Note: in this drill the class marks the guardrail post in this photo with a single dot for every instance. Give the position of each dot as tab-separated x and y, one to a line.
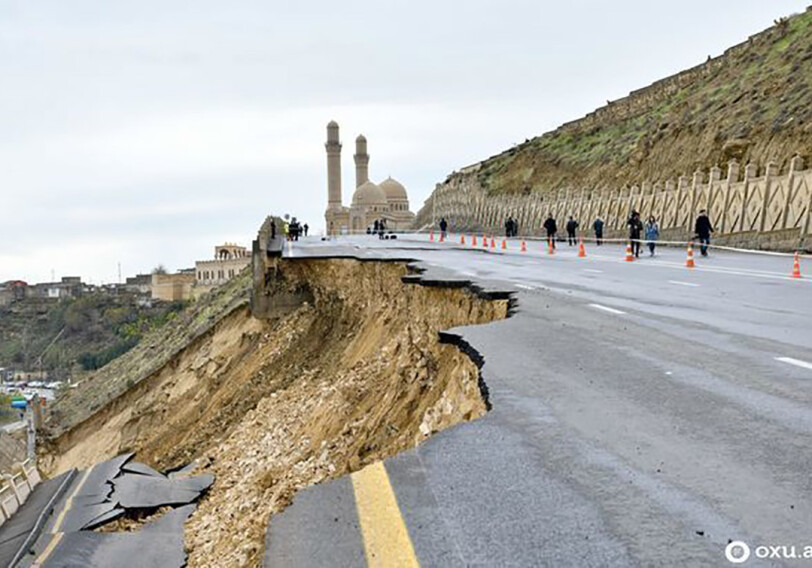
10	482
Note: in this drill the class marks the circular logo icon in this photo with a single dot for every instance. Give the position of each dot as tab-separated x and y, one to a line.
737	552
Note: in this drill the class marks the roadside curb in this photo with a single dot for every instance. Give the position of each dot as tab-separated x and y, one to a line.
42	518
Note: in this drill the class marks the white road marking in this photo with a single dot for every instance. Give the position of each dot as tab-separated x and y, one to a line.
525	286
606	309
464	273
593	270
683	283
796	362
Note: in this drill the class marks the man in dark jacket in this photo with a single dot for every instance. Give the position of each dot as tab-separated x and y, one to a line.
572	226
635	232
598	227
551	228
443	227
703	230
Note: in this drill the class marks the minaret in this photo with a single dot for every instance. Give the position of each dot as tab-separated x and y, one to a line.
333	147
361	161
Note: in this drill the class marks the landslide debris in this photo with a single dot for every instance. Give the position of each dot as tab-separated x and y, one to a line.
271	406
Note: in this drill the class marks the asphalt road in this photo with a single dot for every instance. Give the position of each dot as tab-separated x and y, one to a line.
643	414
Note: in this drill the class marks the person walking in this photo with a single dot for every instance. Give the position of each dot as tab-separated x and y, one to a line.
508	226
286	230
443	227
635	230
552	229
514	227
572	226
381	228
597	226
652	234
305	229
703	230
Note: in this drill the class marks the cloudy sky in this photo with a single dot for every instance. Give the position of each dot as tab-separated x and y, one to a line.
146	132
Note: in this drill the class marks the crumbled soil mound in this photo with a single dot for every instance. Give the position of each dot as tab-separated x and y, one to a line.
269	407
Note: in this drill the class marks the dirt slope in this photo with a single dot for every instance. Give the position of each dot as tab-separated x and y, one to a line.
272	406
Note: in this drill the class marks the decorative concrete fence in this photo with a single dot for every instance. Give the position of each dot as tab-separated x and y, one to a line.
754	208
15	489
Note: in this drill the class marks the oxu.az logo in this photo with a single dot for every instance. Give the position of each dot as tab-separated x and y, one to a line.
738	551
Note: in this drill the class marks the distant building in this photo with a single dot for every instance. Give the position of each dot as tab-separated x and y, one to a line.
12	291
28	376
172	287
68	287
139	284
387	200
229	260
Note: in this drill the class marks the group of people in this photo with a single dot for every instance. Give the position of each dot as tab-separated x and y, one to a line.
292	229
511	227
638	231
378	228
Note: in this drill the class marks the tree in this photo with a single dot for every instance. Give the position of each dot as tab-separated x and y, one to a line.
160	269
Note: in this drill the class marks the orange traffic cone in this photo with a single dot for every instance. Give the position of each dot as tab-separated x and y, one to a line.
473	240
689	262
442	237
504	244
484	241
524	247
493	243
629	254
796	267
550	246
581	249
431	235
462	239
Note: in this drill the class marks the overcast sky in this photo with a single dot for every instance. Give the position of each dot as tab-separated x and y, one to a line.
146	132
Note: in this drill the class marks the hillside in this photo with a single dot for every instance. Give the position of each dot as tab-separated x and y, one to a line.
753	103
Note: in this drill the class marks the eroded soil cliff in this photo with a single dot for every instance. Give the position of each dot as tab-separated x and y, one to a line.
355	375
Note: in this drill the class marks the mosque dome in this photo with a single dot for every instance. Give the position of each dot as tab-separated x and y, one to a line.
393	190
368	194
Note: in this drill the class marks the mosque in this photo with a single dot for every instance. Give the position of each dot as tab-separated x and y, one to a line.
387	200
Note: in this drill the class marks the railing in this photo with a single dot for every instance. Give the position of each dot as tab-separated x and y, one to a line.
16	488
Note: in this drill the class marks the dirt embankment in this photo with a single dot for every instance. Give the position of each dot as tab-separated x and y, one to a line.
272	406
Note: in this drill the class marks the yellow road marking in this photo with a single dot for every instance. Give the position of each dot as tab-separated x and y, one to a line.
48	550
386	539
69	501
